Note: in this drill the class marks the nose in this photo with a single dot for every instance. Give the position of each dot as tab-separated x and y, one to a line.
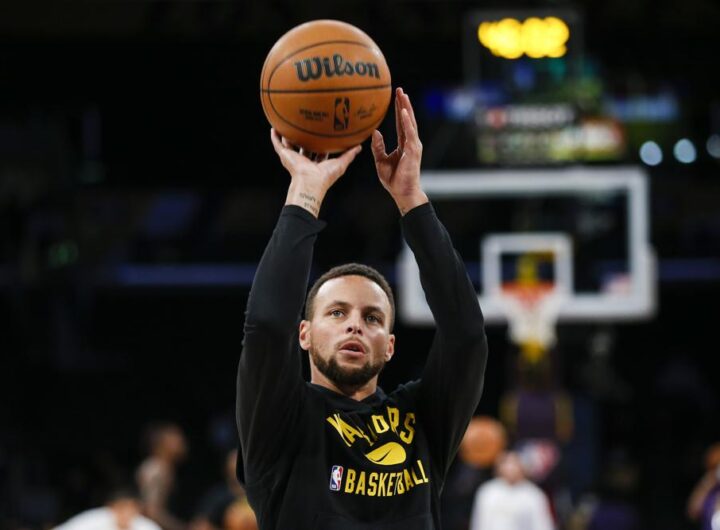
354	324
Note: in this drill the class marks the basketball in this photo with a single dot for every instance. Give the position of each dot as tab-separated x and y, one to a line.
325	86
484	440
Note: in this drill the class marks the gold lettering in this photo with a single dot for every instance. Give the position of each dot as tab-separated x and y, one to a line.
422	471
382	492
360	490
415	479
350	481
391	485
380	424
409	484
347	432
372	484
399	483
394	417
408	436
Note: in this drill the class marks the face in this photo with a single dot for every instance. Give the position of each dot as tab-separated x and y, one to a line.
125	510
174	442
349	337
509	467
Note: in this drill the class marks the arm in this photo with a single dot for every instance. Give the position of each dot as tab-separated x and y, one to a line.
269	378
700	492
155	486
452	379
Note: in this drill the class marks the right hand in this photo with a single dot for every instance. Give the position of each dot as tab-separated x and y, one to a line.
310	179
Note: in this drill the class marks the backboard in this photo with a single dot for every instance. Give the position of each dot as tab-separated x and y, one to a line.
586	230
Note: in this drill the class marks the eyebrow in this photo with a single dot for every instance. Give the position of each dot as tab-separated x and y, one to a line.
371	308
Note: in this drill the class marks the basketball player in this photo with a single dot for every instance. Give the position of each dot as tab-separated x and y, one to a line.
338	452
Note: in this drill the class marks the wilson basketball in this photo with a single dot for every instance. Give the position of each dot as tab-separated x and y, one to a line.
325	86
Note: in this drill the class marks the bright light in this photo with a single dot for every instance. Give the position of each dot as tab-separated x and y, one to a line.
535	37
685	151
650	153
713	146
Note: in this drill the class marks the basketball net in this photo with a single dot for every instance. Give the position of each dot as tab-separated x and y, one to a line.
532	310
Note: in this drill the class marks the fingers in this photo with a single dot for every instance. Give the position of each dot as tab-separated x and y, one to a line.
405	104
276	140
398	119
377	144
413	140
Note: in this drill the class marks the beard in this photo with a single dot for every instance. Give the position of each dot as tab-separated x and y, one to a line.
346	378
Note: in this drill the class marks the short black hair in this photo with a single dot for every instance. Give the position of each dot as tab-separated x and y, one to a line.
350	269
154	433
121	492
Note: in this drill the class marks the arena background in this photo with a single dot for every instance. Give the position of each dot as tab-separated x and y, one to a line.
138	187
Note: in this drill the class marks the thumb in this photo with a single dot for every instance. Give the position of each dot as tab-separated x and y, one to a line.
341	163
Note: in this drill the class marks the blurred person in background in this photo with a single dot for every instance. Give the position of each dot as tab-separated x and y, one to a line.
218	501
612	506
510	501
704	502
484	440
156	475
120	512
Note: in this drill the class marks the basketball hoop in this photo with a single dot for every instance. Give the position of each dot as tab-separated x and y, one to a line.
532	311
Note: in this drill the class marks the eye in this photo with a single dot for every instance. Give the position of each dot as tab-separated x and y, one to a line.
336	313
373	319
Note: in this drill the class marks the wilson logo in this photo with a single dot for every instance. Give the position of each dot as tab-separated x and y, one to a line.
316	67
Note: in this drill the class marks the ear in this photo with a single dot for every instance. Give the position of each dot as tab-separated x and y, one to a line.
390	348
305	336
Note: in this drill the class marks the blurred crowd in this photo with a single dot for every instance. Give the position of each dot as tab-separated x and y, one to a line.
509	475
528	467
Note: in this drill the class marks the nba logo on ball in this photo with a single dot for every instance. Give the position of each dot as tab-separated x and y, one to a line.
336	478
342	113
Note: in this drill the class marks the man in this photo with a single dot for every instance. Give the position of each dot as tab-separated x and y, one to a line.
121	512
510	501
339	453
156	475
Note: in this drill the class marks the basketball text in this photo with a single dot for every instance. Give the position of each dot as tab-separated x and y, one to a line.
315	67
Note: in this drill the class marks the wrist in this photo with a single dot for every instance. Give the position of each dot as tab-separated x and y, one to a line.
307	197
406	203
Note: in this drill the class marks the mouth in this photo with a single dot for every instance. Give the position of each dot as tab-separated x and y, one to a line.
352	349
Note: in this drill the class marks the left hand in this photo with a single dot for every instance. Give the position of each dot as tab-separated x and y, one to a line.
399	171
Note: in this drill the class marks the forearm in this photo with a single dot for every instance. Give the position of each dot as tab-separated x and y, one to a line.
278	291
448	290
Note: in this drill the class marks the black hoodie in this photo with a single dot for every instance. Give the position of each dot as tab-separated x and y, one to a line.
316	459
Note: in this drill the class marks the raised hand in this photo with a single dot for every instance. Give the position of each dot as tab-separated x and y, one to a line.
399	171
311	178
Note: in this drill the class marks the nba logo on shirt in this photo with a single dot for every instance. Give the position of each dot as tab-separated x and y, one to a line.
336	478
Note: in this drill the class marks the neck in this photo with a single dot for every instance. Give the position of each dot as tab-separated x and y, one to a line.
356	392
